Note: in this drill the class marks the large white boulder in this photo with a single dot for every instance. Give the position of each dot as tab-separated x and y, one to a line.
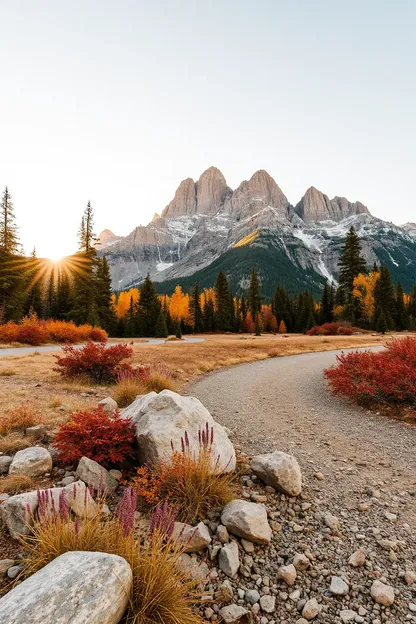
279	470
247	520
17	512
78	587
33	462
161	421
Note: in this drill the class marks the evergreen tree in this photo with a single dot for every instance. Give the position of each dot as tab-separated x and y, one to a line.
33	291
147	309
161	329
254	296
9	240
351	263
51	301
103	303
209	316
224	311
195	309
384	298
325	315
401	316
130	328
381	324
63	296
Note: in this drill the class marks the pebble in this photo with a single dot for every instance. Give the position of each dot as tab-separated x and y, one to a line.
287	574
311	609
267	603
338	586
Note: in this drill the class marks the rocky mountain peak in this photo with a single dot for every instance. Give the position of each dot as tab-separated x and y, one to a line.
156	216
316	206
184	202
261	191
212	191
107	236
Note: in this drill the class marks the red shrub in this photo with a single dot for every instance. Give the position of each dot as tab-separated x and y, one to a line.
32	331
106	438
102	364
330	329
387	376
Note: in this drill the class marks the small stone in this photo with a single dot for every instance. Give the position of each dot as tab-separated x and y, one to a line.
95	475
193	539
279	470
36	432
108	405
287	574
331	522
311	609
390	516
319	476
247	520
5	461
233	614
410	577
268	603
252	596
412	607
301	562
34	461
357	558
347	615
224	592
382	594
228	559
196	570
338	586
248	547
117	474
67	481
222	534
13	571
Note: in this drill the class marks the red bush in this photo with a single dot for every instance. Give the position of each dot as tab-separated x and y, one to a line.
387	376
106	438
102	364
330	329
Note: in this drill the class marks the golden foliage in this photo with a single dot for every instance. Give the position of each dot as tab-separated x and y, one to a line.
363	289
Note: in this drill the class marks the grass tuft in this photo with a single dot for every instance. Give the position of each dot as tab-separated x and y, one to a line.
127	389
19	419
14	484
13	442
7	372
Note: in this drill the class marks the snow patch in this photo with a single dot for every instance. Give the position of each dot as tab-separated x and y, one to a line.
162	266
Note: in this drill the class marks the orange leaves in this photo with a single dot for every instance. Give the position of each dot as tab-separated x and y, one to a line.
363	289
35	331
122	305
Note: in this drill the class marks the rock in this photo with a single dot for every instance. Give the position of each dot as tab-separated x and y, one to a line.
95	475
224	592
162	420
5	462
390	516
17	512
310	609
338	586
268	603
36	432
287	574
357	558
67	481
184	202
80	500
248	547
301	562
194	569
316	206
319	475
33	462
228	559
247	520
222	534
5	564
233	614
108	405
279	470
79	587
382	594
331	522
410	577
117	474
14	571
194	539
212	190
252	596
347	615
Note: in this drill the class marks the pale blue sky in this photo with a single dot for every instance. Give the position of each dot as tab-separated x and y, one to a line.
117	101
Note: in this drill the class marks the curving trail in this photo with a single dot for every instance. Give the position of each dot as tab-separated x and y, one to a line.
285	404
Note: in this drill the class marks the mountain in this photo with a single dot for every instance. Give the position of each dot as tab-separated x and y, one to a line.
410	228
208	227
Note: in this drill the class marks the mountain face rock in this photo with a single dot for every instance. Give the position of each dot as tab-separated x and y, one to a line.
316	206
208	228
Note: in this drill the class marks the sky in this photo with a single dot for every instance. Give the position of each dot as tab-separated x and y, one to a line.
117	101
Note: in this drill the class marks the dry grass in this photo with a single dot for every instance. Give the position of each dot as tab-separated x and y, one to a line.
158	381
12	443
160	594
7	372
13	484
19	419
126	390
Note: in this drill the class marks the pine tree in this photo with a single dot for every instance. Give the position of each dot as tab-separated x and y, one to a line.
161	330
33	291
351	263
209	316
254	296
147	309
401	316
384	298
195	311
9	240
325	315
224	311
63	296
103	303
381	324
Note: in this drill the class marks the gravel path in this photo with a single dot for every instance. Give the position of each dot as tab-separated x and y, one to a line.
285	404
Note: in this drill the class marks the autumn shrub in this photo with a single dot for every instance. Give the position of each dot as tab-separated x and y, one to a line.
100	363
191	483
106	438
19	419
15	483
331	329
34	331
161	593
384	377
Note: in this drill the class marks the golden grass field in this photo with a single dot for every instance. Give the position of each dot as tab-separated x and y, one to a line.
30	379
